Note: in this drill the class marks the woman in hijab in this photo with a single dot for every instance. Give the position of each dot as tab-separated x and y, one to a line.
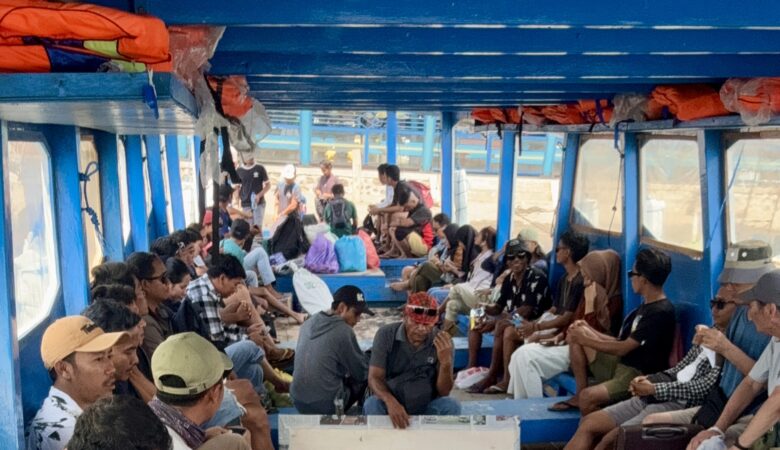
533	363
429	273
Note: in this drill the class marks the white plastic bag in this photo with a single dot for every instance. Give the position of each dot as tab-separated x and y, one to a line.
312	292
628	107
312	231
469	377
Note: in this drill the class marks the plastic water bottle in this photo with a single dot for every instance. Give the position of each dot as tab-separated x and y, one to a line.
339	404
517	319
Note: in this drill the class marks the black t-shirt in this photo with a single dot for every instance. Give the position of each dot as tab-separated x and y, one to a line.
569	294
420	216
653	326
403	186
533	291
252	180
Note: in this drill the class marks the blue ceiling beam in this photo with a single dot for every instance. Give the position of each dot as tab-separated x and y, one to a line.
658	68
404	40
424	85
455	12
436	97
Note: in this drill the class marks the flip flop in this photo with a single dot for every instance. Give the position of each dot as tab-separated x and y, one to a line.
283	359
563	406
475	389
495	389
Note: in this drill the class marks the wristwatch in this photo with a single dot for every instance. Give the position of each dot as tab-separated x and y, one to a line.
740	446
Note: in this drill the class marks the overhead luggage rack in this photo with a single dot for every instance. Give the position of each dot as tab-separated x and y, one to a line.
112	102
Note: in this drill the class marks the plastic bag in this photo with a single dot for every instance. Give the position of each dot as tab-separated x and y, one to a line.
331	237
372	257
351	254
628	107
690	101
191	48
469	377
313	294
250	128
312	231
321	257
756	99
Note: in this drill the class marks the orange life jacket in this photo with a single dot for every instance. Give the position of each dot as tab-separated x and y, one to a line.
689	101
231	95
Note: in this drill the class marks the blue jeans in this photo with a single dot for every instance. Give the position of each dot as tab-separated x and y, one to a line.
246	357
442	406
439	293
257	261
228	413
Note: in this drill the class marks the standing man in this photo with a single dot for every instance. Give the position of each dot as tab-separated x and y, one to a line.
76	352
329	366
254	185
411	366
324	189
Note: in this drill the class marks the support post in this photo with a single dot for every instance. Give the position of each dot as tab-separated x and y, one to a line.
506	188
630	218
198	146
136	193
11	426
565	198
174	180
711	167
110	197
429	138
488	152
392	138
549	154
447	157
63	142
157	186
305	130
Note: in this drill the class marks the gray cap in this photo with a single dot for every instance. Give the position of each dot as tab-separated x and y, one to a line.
766	290
746	262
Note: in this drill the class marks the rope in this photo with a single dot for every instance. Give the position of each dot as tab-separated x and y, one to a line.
725	200
84	178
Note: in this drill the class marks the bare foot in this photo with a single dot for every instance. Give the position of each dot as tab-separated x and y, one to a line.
299	317
399	286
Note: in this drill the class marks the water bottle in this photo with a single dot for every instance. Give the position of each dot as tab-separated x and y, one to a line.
338	402
517	319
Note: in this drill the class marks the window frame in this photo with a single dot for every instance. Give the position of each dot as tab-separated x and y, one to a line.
20	134
588	229
641	139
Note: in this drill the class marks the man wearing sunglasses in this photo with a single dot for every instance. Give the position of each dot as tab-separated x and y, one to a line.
411	366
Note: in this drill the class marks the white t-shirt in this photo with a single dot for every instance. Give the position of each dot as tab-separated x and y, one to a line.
480	278
53	425
767	368
178	442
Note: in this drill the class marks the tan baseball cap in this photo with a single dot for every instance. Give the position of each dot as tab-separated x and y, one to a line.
75	334
193	359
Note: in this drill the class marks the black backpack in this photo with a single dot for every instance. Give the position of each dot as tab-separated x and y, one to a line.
338	218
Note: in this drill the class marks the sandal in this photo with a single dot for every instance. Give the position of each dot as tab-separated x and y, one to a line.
282	358
495	389
476	388
563	406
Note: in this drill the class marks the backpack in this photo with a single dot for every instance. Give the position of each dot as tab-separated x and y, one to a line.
338	217
424	191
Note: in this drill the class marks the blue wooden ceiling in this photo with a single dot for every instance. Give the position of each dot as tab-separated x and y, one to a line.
453	54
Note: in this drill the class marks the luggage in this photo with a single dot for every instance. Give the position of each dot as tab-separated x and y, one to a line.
689	102
656	436
321	257
312	231
424	191
313	294
372	258
351	253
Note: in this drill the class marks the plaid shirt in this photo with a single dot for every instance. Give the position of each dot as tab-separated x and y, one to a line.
202	293
692	392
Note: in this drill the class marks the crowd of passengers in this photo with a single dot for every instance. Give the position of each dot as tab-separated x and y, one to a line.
177	347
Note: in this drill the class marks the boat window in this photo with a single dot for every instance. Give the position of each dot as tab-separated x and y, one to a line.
189	181
283	144
36	276
598	187
166	183
124	200
670	191
753	208
88	159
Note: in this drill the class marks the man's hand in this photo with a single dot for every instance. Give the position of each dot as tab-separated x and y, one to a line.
526	329
235	313
641	387
699	438
444	347
214	432
713	339
484	326
397	414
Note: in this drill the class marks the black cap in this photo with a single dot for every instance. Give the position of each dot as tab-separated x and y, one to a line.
516	247
353	297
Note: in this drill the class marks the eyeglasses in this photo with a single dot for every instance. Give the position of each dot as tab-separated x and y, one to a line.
720	303
420	310
162	277
632	274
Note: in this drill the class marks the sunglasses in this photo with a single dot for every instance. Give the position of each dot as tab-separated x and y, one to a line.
632	274
163	278
420	310
720	303
516	256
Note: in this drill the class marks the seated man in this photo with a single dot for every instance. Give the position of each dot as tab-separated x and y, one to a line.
75	351
329	366
189	374
118	423
764	377
411	236
642	347
684	385
246	346
340	213
524	293
411	366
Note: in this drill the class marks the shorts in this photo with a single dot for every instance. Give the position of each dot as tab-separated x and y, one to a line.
632	411
614	376
416	244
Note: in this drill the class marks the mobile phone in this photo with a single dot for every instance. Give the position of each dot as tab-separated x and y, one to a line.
237	430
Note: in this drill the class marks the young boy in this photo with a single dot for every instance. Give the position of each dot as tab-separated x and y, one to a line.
340	213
